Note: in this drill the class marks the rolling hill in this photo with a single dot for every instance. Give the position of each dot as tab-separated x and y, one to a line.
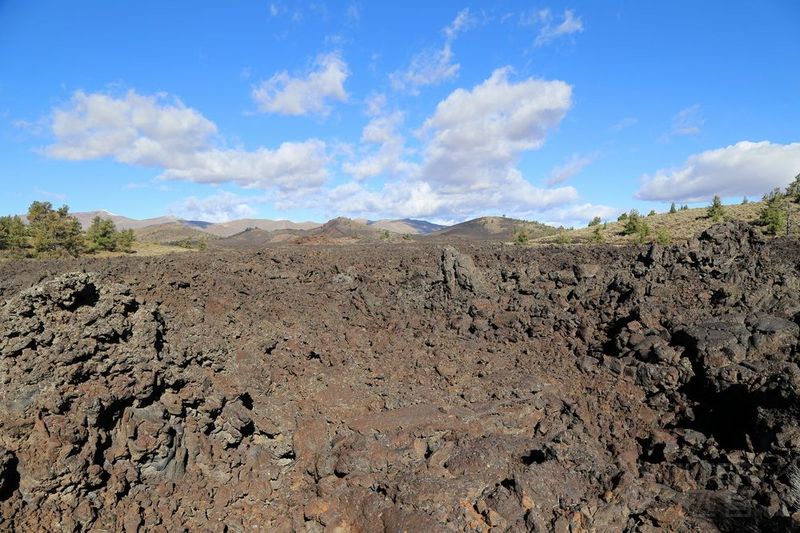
227	229
678	226
121	222
493	229
173	233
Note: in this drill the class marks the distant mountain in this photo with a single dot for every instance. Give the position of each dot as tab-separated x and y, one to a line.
226	229
407	226
168	229
493	229
120	221
219	229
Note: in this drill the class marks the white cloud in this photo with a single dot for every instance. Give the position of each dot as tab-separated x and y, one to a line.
687	122
137	129
401	200
161	132
436	65
549	32
422	199
430	67
220	207
742	169
571	168
577	215
475	137
292	166
463	21
306	95
375	104
381	131
472	144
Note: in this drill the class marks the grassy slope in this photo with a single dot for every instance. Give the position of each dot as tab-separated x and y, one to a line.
680	226
170	233
139	249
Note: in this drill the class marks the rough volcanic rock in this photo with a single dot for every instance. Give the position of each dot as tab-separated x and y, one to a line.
405	387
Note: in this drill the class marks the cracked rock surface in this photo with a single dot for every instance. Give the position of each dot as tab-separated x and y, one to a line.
406	387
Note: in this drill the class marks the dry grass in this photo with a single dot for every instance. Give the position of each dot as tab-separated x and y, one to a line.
147	249
678	226
140	249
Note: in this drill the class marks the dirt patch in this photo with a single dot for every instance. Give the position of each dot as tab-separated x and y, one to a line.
407	387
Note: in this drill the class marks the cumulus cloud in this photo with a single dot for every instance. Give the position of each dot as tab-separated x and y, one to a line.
304	95
220	207
420	198
436	65
742	169
292	166
571	168
161	132
550	31
385	147
137	129
475	137
471	145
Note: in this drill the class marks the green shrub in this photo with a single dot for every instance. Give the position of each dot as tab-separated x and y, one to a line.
564	238
192	243
715	211
596	221
774	214
521	238
684	207
622	217
597	235
662	236
632	222
673	209
652	213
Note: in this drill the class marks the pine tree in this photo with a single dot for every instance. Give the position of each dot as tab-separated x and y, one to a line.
54	232
773	215
716	210
125	240
13	234
793	190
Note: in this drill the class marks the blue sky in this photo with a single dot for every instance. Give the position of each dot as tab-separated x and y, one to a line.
437	110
